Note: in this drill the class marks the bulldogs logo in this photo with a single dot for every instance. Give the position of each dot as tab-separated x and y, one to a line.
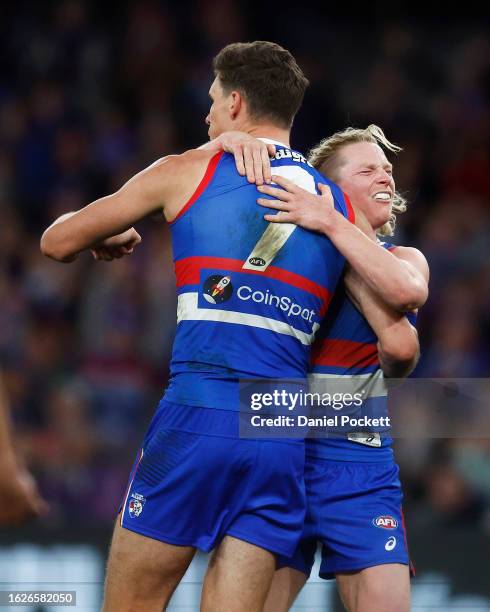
136	505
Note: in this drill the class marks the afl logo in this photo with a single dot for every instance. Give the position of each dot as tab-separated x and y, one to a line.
256	261
385	522
217	289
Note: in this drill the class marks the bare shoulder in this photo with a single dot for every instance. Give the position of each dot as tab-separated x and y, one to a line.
182	175
173	173
170	164
414	257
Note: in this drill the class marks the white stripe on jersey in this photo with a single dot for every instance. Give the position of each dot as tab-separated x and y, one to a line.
277	234
371	384
188	310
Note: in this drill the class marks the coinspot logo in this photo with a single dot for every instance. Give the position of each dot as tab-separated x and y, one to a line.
284	303
217	289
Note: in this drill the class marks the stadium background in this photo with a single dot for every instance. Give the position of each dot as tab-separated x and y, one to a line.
90	95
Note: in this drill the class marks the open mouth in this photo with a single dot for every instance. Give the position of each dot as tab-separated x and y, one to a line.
383	196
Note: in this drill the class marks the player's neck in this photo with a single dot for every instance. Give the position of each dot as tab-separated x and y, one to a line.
271	132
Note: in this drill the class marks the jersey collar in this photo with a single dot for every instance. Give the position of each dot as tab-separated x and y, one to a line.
274	142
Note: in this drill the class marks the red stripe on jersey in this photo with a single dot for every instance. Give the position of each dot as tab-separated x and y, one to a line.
188	271
351	215
206	179
344	353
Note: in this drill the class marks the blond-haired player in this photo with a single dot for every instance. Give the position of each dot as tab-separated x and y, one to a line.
354	493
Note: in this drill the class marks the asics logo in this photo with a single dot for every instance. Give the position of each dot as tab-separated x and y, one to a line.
390	544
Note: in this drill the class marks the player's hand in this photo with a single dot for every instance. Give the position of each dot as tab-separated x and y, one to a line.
117	246
297	205
252	156
19	496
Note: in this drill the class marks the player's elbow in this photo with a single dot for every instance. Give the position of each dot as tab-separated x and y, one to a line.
401	349
398	361
411	296
54	247
49	246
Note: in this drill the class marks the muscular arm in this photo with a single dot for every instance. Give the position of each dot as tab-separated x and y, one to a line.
164	187
398	344
401	281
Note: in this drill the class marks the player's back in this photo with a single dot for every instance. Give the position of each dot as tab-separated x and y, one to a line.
251	294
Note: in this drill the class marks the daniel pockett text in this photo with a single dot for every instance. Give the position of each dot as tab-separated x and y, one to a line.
337	421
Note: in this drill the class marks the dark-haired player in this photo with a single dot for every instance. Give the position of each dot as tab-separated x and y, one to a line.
195	483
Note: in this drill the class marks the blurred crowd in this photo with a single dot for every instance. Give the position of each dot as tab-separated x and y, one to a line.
88	97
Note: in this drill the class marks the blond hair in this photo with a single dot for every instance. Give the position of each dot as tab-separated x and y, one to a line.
326	156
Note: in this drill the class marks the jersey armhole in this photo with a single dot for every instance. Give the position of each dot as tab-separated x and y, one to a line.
206	179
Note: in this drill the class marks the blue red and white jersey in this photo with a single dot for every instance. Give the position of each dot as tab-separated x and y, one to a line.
251	294
346	346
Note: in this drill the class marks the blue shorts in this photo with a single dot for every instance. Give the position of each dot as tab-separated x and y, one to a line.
195	481
354	511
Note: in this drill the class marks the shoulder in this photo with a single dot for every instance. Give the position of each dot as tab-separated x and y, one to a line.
414	257
182	174
191	159
174	174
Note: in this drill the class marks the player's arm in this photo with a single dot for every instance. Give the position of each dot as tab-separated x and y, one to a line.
7	455
162	187
19	497
400	280
398	343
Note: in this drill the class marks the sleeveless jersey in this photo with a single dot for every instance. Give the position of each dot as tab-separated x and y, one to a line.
346	346
251	294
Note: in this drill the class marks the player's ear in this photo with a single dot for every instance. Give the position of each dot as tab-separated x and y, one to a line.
235	104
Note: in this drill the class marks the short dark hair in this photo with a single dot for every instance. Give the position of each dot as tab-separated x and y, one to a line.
267	76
